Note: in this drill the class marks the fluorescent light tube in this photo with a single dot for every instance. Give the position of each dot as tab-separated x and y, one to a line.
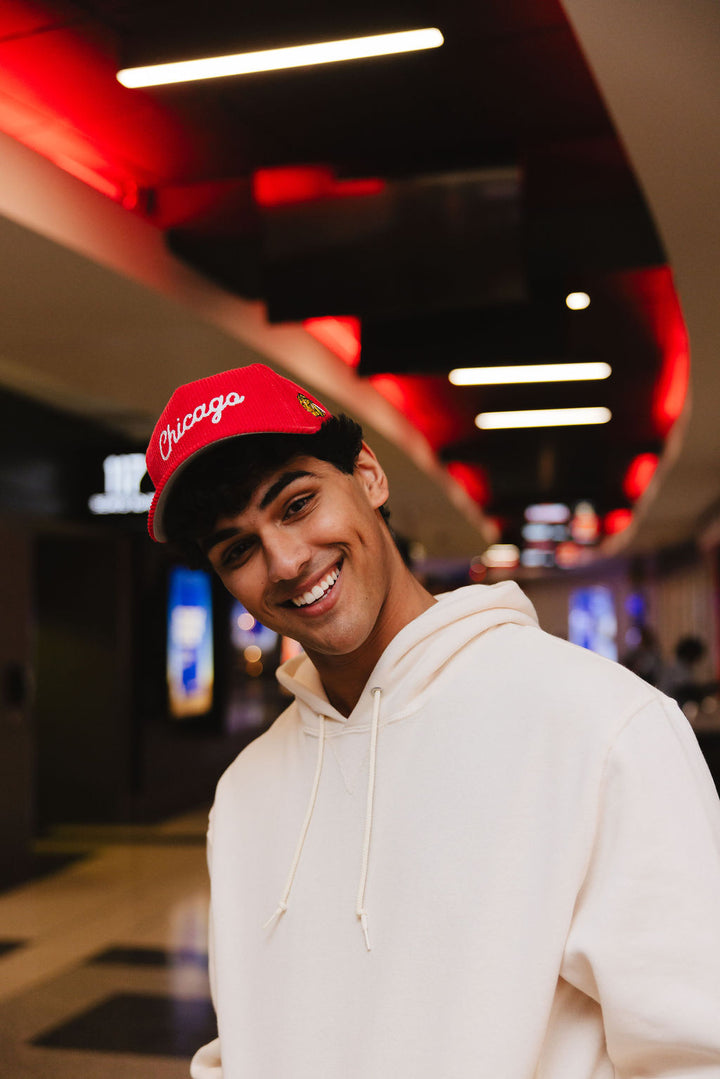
542	417
324	52
531	372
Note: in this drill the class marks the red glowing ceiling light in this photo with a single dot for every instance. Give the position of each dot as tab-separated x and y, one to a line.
640	471
422	400
473	479
340	335
617	521
306	183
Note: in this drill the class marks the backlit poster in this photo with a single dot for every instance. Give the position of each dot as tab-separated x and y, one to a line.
592	622
190	673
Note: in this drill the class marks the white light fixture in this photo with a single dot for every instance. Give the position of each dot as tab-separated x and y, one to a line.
501	556
247	63
577	301
542	417
531	372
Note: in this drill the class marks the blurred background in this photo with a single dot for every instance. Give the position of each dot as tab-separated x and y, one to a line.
499	251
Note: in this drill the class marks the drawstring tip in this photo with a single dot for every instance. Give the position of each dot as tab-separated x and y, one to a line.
281	908
362	915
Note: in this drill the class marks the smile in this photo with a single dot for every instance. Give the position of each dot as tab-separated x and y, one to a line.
318	591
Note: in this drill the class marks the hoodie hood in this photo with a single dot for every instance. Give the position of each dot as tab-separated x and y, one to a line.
416	655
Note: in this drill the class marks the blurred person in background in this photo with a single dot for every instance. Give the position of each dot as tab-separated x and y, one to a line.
645	658
681	678
466	848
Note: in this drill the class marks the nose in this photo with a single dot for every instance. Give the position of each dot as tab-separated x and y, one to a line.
286	556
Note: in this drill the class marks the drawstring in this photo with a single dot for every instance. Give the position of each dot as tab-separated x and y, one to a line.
283	903
360	908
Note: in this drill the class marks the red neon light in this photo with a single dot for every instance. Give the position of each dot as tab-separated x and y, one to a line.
616	521
305	183
672	385
473	479
640	471
656	308
59	97
340	335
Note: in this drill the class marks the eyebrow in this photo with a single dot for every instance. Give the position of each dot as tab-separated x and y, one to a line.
279	486
270	495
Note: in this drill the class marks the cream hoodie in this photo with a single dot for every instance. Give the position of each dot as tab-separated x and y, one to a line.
504	864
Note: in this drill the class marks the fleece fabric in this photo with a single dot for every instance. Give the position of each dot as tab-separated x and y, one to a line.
504	864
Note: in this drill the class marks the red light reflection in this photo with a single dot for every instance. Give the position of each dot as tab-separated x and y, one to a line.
640	471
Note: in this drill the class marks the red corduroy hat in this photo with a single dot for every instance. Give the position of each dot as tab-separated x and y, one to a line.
247	401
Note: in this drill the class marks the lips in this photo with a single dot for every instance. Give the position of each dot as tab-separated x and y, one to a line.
317	591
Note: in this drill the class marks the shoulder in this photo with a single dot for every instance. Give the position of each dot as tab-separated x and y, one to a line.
553	678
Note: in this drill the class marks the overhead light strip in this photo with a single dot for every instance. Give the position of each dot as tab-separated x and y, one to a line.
542	417
540	372
324	52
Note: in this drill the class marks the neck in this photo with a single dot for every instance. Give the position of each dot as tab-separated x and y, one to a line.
344	677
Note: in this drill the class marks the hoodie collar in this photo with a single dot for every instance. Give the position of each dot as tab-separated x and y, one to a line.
416	654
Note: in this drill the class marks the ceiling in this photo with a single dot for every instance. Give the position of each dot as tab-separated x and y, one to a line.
447	200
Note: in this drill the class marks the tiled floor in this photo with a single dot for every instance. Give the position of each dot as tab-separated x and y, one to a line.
103	964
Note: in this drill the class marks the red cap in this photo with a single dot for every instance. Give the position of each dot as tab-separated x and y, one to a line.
247	401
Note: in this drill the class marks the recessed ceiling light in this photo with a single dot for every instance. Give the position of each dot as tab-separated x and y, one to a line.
531	372
577	301
542	417
323	52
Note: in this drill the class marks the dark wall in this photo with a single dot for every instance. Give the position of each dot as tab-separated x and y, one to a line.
84	677
17	737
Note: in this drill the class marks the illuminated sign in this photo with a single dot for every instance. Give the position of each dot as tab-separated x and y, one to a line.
122	494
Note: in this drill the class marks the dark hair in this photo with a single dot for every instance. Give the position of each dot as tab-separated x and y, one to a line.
220	481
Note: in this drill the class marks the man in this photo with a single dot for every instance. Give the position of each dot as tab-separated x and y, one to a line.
467	848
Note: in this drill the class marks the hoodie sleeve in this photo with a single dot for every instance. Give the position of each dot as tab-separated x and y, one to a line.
645	936
207	1062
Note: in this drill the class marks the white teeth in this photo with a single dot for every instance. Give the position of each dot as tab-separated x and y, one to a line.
318	590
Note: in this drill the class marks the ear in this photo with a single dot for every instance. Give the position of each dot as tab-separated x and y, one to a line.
368	471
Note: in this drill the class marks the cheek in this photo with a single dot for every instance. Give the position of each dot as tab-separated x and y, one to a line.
244	588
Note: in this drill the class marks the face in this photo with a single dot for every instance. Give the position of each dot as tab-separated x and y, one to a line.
311	558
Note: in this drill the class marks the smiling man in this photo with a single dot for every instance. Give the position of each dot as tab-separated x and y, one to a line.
466	848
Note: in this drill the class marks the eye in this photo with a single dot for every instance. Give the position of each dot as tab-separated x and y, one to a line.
235	554
297	505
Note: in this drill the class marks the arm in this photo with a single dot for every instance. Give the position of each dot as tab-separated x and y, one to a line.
645	936
207	1062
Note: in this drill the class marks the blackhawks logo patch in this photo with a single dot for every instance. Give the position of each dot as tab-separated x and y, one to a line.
310	406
